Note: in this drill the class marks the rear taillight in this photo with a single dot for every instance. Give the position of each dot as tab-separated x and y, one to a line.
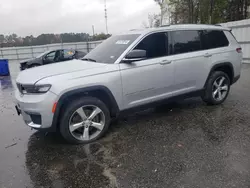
239	50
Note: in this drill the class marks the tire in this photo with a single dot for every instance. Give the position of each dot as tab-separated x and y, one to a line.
34	65
212	97
72	113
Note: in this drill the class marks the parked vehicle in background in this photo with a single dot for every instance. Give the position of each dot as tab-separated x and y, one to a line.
52	56
131	70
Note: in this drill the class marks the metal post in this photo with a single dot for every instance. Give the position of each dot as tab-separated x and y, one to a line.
88	50
32	53
17	54
1	52
106	16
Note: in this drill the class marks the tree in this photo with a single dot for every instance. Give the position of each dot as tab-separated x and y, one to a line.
164	8
2	38
153	21
14	40
205	11
101	36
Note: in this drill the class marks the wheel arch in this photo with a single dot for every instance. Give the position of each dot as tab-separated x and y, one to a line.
100	92
226	67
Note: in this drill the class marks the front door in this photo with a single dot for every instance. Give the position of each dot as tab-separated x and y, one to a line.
49	58
151	79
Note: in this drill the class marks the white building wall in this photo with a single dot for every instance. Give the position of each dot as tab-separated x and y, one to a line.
241	31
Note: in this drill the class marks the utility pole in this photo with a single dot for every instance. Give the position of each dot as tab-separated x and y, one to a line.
93	29
106	16
211	11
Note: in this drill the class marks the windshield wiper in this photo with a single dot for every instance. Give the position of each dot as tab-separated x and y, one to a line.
88	59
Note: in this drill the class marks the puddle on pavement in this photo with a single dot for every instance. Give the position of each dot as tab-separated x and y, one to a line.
52	163
179	142
5	83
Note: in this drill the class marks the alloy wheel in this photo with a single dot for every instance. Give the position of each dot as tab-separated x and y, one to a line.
220	88
87	122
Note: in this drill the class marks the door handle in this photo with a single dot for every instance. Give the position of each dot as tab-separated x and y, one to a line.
165	62
208	55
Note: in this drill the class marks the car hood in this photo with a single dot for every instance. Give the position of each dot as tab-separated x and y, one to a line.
27	60
33	75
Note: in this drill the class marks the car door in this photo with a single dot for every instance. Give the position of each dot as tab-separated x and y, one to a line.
67	55
49	58
150	79
189	61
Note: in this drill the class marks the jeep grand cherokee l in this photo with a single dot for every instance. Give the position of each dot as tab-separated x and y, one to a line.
78	98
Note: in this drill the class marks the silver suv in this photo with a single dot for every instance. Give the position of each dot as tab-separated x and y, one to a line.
78	98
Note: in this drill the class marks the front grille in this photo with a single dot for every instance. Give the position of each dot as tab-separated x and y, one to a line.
20	87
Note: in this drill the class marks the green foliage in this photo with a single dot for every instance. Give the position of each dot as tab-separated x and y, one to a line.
154	20
14	40
101	36
206	11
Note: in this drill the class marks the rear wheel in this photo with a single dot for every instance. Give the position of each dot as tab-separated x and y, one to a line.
217	88
34	65
84	120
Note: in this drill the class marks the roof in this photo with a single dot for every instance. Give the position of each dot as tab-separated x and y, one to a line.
177	27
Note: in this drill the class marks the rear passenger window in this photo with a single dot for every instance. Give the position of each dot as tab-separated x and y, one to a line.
186	41
213	39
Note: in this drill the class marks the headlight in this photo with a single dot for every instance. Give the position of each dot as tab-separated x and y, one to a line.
26	89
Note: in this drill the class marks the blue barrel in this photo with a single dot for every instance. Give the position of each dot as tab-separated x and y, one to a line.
4	67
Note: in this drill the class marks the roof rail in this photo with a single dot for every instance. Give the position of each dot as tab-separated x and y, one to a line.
218	25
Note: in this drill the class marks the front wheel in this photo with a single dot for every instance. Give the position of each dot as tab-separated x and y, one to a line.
84	120
217	88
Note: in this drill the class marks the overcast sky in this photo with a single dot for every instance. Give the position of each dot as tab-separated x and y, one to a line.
33	17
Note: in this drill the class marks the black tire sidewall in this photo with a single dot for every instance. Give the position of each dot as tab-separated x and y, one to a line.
208	97
71	108
34	65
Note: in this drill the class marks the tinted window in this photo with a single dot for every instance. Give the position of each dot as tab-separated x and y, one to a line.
42	54
155	45
112	48
186	41
213	39
51	56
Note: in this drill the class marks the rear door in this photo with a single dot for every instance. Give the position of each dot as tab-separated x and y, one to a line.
223	48
189	60
67	55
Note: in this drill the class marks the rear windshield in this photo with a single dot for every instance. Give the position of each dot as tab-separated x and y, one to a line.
112	48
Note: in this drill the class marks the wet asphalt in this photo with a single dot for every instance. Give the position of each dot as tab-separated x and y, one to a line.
183	144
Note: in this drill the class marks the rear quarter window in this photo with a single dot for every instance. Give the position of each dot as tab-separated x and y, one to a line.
213	39
231	38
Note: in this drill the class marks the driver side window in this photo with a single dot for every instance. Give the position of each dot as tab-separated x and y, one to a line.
156	45
51	56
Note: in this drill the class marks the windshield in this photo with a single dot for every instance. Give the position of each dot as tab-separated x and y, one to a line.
111	49
42	54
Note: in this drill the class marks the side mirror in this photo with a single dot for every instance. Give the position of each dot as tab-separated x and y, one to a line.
135	55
